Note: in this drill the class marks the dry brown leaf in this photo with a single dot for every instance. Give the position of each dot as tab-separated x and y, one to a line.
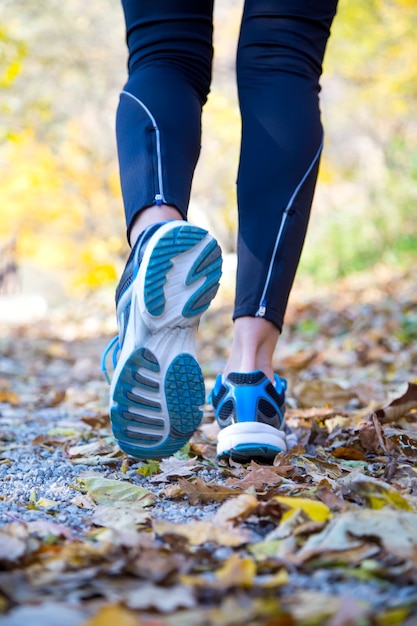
405	441
394	530
237	508
399	407
323	392
260	476
157	564
199	491
197	533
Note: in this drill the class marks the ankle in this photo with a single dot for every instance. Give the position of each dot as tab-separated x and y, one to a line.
151	215
253	346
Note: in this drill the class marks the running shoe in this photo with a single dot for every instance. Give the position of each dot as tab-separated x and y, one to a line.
157	392
250	409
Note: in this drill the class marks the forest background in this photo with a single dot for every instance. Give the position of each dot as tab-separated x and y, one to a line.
62	66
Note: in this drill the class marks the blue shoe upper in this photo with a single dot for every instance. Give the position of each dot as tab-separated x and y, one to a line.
249	397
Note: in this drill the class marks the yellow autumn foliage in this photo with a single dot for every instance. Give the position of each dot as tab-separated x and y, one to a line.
60	193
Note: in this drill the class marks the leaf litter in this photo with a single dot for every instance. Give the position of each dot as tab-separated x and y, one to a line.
324	536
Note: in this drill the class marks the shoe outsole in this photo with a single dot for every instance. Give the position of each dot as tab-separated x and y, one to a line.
158	395
246	453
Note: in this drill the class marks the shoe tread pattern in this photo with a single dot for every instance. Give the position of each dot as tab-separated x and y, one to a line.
208	265
184	393
170	245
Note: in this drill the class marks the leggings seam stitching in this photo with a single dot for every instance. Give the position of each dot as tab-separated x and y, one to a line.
262	304
159	197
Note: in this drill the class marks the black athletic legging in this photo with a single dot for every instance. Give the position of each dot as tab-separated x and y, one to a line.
279	63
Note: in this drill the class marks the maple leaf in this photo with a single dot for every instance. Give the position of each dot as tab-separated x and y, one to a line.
257	477
174	467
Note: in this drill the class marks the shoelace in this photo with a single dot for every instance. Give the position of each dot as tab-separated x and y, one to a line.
112	345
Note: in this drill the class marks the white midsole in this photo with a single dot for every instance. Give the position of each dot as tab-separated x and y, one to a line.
252	433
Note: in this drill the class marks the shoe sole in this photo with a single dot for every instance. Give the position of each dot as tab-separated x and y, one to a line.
158	394
247	441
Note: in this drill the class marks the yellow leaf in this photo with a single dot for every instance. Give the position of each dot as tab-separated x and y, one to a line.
393	616
316	510
379	495
236	571
265	549
111	615
45	503
274	580
10	397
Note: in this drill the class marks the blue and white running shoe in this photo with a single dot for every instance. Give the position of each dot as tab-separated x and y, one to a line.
157	392
250	409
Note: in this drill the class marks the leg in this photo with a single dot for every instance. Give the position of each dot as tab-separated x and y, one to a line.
158	124
281	48
279	63
157	391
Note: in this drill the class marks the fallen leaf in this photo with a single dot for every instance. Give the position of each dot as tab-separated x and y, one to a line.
45	503
174	467
46	614
120	517
199	491
237	508
404	440
396	409
236	572
394	530
348	613
164	599
258	477
199	532
315	608
115	492
11	547
113	614
9	397
321	392
377	493
314	509
93	449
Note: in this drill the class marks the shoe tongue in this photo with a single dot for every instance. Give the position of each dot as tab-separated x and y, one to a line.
250	378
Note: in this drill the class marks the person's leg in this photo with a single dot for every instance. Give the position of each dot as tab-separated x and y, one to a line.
158	123
157	391
281	48
279	63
